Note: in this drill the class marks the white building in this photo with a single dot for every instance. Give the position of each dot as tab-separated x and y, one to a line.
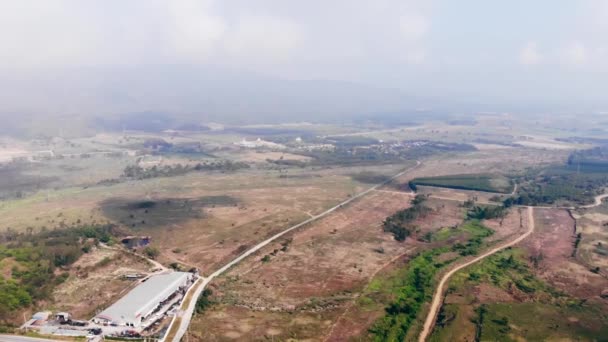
142	301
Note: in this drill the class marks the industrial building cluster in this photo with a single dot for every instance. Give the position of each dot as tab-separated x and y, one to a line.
152	301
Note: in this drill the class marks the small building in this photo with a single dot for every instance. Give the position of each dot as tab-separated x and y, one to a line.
63	317
144	300
136	241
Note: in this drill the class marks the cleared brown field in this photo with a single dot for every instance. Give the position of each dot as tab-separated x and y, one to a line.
554	242
592	251
302	291
96	280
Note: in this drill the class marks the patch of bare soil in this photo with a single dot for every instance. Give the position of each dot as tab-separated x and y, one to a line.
486	293
551	248
232	323
444	214
96	281
513	223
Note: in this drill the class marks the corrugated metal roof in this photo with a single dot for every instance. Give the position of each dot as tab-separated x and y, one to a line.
144	297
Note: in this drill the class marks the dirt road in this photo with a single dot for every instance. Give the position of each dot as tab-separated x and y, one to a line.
188	311
438	296
598	201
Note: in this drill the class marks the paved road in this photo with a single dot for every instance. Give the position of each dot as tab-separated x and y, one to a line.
187	313
437	298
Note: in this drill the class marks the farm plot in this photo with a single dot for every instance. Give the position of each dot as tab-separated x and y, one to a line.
481	182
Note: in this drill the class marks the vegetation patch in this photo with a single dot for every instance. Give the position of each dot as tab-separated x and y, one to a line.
584	176
483	182
516	305
473	229
39	258
368	177
506	270
138	214
400	224
16	182
558	184
487	212
138	172
414	285
414	288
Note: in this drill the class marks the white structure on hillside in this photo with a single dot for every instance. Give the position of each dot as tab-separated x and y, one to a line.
144	300
258	143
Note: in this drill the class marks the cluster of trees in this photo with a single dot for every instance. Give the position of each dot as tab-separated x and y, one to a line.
138	172
12	296
481	182
416	289
38	258
400	223
361	151
595	159
487	212
550	188
584	176
287	162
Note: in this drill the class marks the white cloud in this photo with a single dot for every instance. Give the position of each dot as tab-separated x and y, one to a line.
415	56
262	39
575	54
413	26
194	31
529	54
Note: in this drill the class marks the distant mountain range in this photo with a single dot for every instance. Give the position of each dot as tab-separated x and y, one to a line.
195	94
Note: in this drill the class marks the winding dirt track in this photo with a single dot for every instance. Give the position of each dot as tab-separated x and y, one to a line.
437	297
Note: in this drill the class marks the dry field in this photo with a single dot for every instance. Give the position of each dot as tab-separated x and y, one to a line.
554	241
307	290
502	161
593	248
199	219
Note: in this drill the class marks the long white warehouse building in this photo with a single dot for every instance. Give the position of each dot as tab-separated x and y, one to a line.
143	300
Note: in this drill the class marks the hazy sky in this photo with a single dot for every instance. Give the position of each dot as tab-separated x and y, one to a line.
545	50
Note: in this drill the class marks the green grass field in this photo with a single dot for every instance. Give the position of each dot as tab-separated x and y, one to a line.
479	182
473	229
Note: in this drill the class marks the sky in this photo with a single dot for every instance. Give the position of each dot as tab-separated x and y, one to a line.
552	52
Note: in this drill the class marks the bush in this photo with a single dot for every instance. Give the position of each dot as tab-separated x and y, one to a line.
203	302
151	252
